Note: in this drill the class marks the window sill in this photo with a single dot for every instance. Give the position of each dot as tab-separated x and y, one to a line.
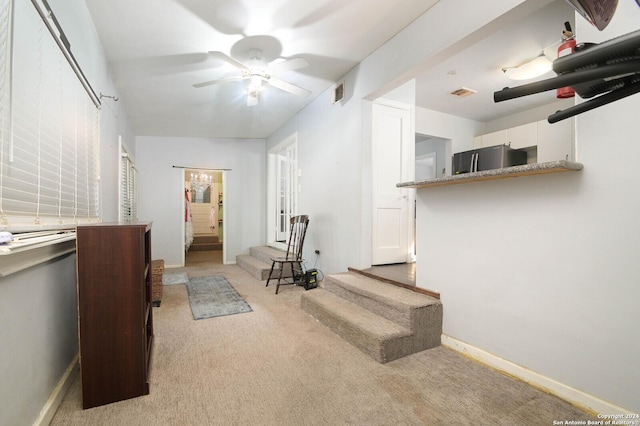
15	257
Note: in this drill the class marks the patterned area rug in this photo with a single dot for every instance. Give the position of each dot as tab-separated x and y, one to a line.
175	278
213	296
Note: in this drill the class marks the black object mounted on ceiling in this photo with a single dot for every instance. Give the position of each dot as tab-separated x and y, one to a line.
597	12
610	69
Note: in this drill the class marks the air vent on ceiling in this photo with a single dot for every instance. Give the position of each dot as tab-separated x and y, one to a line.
463	92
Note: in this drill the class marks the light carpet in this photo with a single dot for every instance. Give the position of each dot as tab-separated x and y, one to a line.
278	366
213	296
174	278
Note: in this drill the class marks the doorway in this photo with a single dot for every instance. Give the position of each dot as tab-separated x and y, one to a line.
204	216
430	156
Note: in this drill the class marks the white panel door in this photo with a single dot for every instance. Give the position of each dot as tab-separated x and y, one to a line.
390	223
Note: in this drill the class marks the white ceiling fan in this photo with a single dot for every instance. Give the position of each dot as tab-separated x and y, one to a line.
257	72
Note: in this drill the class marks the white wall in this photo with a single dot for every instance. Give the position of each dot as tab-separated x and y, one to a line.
38	308
535	114
334	152
161	191
329	159
38	337
543	270
113	123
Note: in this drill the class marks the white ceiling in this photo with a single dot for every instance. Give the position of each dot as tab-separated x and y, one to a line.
480	67
157	50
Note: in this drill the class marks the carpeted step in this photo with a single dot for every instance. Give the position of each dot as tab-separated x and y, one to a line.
394	303
205	246
204	242
419	314
377	337
254	266
205	238
265	253
258	262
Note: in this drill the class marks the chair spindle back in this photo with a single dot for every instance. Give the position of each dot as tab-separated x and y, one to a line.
297	232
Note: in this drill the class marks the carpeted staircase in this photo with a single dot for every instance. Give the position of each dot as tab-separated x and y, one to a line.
384	321
205	242
258	261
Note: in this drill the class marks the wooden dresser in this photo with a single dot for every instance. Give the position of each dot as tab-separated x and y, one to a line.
114	311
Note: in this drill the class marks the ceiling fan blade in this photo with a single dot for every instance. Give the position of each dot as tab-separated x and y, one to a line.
218	81
288	87
228	59
291	64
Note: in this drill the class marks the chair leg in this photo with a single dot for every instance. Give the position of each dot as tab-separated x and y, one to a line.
270	273
297	273
279	277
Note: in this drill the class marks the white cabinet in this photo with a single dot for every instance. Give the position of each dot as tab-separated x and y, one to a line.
524	136
555	141
477	142
495	138
491	139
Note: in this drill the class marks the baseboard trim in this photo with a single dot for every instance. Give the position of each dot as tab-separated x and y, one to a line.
574	396
50	408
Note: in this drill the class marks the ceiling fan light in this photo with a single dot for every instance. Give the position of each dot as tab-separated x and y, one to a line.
530	69
255	83
252	98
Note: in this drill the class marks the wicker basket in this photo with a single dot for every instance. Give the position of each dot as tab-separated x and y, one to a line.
157	269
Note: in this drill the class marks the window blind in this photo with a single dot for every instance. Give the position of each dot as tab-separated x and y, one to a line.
5	84
49	157
128	187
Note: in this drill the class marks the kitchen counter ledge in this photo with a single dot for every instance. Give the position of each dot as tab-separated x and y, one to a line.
508	172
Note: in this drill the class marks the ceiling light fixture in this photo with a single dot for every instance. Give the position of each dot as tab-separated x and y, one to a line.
254	89
259	75
255	83
200	181
530	69
252	97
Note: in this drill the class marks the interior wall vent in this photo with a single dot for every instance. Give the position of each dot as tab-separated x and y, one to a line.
463	92
338	93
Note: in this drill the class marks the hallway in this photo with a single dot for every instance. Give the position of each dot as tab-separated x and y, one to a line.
279	366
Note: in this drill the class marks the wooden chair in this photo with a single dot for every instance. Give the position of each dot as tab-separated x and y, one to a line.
293	258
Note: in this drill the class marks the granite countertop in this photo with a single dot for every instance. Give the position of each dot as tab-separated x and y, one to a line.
508	172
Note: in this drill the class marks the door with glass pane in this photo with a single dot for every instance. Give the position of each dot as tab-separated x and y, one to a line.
285	190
